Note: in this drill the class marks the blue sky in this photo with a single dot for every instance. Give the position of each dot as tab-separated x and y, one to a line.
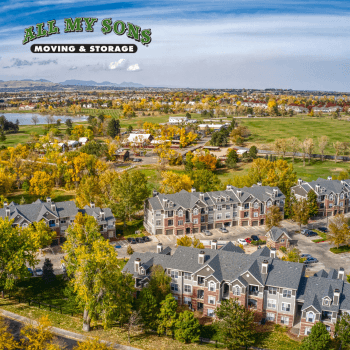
203	44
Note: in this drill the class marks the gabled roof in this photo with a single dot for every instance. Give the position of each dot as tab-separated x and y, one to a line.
275	233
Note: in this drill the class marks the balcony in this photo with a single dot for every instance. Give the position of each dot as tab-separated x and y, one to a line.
200	281
200	294
226	295
326	316
253	291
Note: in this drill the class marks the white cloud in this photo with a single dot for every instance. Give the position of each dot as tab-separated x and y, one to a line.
73	68
114	65
134	67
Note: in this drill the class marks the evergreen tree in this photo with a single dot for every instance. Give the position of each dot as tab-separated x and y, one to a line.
2	136
167	315
232	159
319	338
312	203
148	309
236	324
187	328
48	275
113	128
288	205
69	123
342	331
253	152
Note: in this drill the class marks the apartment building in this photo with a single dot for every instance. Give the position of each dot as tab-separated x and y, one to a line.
332	195
58	216
191	212
277	290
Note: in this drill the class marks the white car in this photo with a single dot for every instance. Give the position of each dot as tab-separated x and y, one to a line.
38	271
242	241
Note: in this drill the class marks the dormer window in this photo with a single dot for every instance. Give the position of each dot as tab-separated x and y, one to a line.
180	213
326	302
256	205
212	287
269	203
330	197
195	211
310	317
342	196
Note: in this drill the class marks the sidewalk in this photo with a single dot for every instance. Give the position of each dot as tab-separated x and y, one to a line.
62	332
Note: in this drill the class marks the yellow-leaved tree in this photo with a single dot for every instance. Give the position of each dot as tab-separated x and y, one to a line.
7	181
7	340
41	184
173	182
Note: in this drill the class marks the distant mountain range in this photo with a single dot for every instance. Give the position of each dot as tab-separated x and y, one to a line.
104	83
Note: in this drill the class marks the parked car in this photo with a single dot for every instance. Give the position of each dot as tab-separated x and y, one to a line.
323	229
38	271
146	239
117	246
131	240
242	241
248	240
306	256
254	238
303	231
223	229
310	234
207	233
310	261
30	271
137	160
139	240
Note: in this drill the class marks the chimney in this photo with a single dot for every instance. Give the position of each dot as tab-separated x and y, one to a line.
102	214
214	244
300	181
48	199
201	257
53	206
336	296
229	187
137	264
7	211
92	205
159	247
5	204
259	184
317	188
154	193
239	193
275	192
329	178
193	190
341	273
264	267
201	196
273	253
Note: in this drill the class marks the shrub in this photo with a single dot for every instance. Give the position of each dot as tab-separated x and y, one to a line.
283	249
129	250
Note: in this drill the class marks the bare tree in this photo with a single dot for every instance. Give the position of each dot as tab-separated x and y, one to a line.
134	323
303	147
337	147
293	144
309	147
35	119
322	144
50	119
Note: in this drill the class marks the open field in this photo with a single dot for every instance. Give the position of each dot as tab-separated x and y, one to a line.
265	130
58	195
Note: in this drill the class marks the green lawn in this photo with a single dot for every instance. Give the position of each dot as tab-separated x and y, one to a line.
267	130
341	249
58	195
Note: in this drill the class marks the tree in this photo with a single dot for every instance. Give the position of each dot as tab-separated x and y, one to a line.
236	324
293	145
173	182
2	136
159	284
134	323
232	159
148	309
89	191
7	340
205	180
35	119
319	338
91	344
48	275
113	128
69	123
312	203
129	250
309	147
322	144
253	152
95	148
92	265
337	147
273	218
301	212
293	255
18	249
188	242
187	328
41	184
167	315
339	232
342	331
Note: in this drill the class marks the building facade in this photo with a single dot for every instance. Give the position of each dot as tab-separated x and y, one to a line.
332	195
58	216
276	290
191	212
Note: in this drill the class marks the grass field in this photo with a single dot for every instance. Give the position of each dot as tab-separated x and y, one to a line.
265	131
58	195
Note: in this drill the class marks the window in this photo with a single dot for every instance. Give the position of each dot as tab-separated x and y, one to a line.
195	211
270	316
326	302
256	214
310	317
176	297
246	214
158	213
234	214
174	287
287	293
342	196
268	204
210	312
187	300
218	216
187	276
282	240
200	294
170	222
63	221
180	213
202	218
210	208
187	288
256	205
219	207
212	287
341	204
211	217
52	223
285	307
195	221
236	290
331	197
330	205
200	280
271	304
211	300
328	328
285	320
170	213
180	222
307	331
158	222
174	274
246	206
227	215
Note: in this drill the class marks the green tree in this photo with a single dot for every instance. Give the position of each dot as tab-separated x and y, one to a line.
148	309
232	159
253	152
342	331
236	324
95	148
187	328
312	203
48	276
273	218
69	123
205	180
113	128
339	232
293	255
167	315
2	136
319	338
301	212
288	205
159	284
92	265
129	129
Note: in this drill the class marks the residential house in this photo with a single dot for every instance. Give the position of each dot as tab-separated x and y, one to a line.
139	138
277	290
58	216
122	155
332	195
278	237
192	212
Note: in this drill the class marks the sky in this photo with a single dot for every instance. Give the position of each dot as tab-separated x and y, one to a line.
290	44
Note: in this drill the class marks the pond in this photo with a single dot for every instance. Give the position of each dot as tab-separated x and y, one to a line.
26	118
